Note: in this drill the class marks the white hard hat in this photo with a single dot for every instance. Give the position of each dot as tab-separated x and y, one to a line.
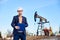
20	9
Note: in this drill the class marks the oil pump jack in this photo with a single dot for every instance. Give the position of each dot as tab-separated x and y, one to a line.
42	21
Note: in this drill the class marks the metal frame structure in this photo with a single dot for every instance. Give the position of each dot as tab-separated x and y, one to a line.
42	21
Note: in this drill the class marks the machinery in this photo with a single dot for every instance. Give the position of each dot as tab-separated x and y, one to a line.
59	29
42	21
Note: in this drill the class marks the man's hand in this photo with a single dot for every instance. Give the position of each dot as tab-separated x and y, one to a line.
17	27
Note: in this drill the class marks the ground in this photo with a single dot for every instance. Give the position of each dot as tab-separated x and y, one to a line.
38	38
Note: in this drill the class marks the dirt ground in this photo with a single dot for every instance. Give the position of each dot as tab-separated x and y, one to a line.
38	38
43	38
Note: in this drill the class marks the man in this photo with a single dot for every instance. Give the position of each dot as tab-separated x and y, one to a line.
19	23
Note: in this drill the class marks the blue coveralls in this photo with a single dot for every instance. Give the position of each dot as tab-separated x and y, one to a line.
19	35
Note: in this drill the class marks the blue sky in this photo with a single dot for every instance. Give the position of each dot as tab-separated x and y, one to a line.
50	9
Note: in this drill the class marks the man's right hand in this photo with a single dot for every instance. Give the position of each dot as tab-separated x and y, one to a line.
17	27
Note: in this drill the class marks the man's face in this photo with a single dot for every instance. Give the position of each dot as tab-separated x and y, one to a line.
20	12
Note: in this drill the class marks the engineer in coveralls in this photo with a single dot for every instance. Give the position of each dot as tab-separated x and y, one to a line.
19	23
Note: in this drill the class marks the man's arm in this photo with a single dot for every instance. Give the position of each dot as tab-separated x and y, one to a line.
26	24
13	22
